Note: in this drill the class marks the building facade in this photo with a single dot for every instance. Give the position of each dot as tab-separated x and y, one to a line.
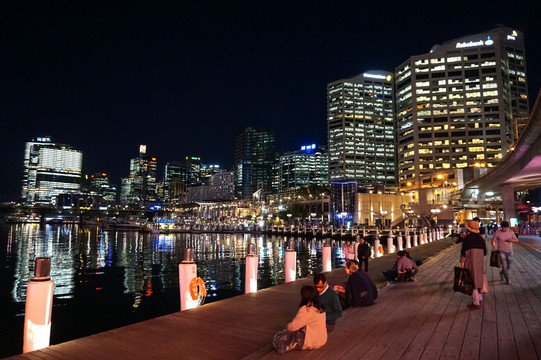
458	105
304	167
255	162
49	169
361	129
139	188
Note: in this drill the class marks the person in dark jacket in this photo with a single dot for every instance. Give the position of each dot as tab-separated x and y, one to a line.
358	291
363	253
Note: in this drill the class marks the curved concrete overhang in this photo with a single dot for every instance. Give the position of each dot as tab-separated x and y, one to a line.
520	168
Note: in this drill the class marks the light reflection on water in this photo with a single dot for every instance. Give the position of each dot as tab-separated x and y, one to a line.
129	268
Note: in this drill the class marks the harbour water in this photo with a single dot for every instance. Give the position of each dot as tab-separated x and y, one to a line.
107	279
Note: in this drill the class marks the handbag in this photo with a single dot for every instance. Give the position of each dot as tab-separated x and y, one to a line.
285	341
495	259
463	281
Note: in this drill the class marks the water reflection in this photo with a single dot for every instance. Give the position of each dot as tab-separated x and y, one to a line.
127	269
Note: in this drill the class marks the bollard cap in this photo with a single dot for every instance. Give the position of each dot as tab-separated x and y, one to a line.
251	249
42	268
188	255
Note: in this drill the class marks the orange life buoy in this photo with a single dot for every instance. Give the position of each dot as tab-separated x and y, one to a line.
197	288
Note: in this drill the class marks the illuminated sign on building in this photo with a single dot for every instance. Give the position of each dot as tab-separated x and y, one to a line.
375	76
308	148
513	35
471	43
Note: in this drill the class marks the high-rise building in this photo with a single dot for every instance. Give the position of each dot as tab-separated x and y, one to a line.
99	184
50	169
223	185
304	167
254	161
139	188
193	168
174	183
457	105
361	129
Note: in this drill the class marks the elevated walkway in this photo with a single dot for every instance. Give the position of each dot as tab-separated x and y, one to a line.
420	320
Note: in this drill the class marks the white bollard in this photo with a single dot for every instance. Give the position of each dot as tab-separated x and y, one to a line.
408	240
251	270
434	235
326	256
415	239
429	236
39	305
390	247
291	263
187	271
399	240
376	248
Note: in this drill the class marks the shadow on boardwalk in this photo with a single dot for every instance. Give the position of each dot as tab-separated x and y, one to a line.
420	320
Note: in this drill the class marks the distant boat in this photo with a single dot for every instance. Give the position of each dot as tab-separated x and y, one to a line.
121	224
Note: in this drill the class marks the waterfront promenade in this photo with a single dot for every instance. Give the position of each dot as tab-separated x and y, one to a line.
420	320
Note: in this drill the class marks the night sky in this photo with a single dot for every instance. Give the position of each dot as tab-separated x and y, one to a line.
183	79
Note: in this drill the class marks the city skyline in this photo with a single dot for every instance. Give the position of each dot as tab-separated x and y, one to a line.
185	79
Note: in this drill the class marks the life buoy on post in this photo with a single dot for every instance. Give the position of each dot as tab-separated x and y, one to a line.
197	289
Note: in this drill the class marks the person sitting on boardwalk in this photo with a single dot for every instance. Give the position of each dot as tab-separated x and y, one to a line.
307	330
472	257
357	291
329	299
405	267
349	251
363	253
391	274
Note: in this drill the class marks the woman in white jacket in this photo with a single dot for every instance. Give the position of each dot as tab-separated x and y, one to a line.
308	329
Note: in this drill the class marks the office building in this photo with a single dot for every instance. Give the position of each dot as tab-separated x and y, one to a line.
255	162
99	184
49	169
459	105
139	188
361	129
304	167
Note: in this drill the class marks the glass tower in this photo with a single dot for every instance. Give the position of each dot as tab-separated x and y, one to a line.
255	162
459	105
49	169
307	166
361	129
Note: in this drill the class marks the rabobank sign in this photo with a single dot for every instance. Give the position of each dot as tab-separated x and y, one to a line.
472	43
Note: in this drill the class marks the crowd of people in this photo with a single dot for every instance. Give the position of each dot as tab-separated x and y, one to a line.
322	304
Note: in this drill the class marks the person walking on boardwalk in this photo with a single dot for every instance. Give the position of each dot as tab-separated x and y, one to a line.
329	299
503	241
472	257
363	253
349	251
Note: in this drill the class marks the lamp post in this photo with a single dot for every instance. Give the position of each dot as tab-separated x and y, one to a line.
383	213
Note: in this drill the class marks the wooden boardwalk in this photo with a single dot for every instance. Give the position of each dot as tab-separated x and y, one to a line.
420	320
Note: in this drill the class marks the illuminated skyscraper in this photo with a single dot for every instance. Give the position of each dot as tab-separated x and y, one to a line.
50	169
307	166
139	188
457	105
255	162
361	129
